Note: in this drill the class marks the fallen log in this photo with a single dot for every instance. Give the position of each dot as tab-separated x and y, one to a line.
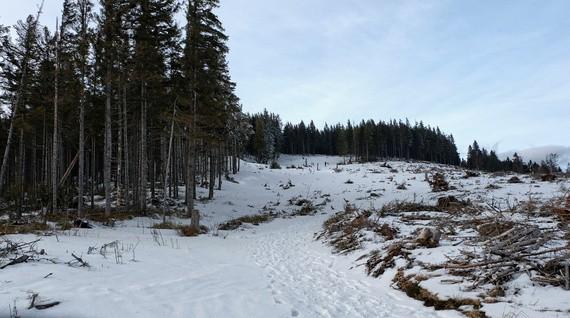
18	260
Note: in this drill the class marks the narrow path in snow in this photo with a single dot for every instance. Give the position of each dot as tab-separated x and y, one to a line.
304	275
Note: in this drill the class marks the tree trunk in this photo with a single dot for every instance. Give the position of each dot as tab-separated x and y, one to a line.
169	156
93	173
55	140
143	154
21	174
212	174
108	143
220	167
119	178
126	147
191	178
81	174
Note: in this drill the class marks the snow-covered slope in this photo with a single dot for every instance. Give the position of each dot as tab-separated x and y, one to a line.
276	269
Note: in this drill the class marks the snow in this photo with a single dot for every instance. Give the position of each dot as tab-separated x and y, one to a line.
276	269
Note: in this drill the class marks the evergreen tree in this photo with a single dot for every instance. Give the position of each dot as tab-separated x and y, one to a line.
16	68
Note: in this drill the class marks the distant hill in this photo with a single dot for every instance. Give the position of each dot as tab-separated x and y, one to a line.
538	154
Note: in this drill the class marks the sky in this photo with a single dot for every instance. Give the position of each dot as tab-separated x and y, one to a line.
495	71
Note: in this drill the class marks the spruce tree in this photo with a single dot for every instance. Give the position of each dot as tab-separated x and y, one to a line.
16	68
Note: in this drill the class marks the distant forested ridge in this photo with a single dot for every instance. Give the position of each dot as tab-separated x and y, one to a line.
479	158
366	141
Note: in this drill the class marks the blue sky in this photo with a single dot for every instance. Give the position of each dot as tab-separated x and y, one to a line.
497	71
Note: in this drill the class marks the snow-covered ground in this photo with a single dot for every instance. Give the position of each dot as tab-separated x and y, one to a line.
276	269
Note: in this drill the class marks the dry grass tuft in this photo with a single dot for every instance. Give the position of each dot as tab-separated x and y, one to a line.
388	232
255	219
166	226
100	217
26	228
188	230
181	229
494	228
452	204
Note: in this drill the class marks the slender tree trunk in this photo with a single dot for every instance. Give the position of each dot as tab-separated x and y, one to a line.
212	176
143	154
55	147
34	168
191	169
92	173
176	167
21	174
169	156
81	174
220	167
126	148
119	179
108	143
190	178
44	153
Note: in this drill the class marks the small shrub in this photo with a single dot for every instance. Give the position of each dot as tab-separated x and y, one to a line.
274	165
307	209
515	179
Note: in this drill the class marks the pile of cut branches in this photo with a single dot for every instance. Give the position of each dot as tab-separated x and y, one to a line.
516	249
346	230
